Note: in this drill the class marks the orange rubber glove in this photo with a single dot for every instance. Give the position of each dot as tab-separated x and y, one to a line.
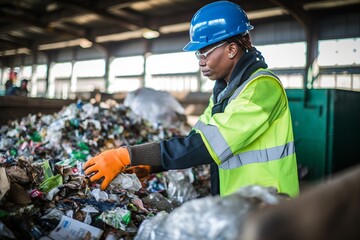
107	165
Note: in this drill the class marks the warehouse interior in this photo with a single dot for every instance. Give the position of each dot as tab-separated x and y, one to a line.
76	50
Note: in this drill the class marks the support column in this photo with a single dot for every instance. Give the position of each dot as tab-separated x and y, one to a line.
107	76
33	90
2	76
147	53
73	76
50	78
312	39
199	82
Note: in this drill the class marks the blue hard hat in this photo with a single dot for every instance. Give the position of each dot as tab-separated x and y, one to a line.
215	22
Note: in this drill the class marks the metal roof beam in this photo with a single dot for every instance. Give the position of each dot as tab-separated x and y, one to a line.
45	26
103	13
295	10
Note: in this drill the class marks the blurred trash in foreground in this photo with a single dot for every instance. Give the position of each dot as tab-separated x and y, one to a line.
210	218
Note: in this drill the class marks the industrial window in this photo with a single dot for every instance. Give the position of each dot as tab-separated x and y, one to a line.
183	62
127	66
339	52
41	71
62	70
26	72
172	72
287	55
92	68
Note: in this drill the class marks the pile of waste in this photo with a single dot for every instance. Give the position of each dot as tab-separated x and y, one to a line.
44	193
211	217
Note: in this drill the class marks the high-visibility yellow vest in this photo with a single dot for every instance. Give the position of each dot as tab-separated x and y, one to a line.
252	140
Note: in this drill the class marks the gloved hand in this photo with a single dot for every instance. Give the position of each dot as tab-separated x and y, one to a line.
107	165
141	171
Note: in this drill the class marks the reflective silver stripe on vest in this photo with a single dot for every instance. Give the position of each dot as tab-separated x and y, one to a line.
228	161
215	139
259	156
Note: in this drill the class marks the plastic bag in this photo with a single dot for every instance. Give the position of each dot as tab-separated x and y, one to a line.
152	225
179	185
118	218
158	107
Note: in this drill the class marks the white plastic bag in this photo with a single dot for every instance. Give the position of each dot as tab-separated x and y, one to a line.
158	107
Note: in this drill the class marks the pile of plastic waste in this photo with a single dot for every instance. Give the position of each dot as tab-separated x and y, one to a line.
211	217
44	193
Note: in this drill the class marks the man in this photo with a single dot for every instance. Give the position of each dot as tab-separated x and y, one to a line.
22	90
245	133
10	87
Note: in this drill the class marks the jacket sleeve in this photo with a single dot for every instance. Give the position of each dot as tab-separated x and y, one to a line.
179	153
175	153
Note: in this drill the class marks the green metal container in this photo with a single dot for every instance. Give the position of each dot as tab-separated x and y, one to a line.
326	130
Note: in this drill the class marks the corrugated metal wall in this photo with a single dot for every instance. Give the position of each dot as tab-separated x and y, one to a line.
344	26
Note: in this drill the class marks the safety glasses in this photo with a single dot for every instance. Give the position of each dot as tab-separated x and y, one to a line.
203	56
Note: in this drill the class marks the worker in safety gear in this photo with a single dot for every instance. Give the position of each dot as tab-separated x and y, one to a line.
245	133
